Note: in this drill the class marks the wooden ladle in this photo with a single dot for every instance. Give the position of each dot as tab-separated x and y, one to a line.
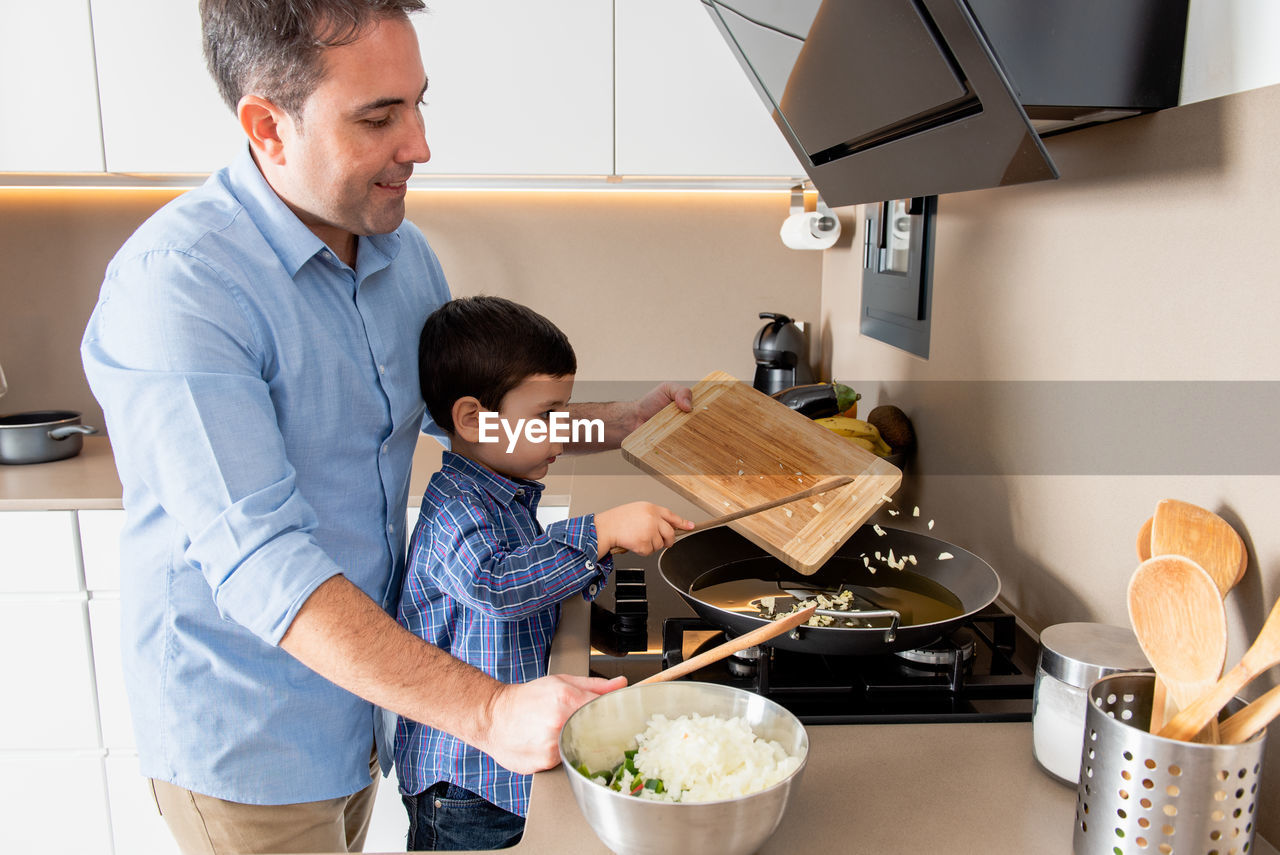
757	636
1181	625
1261	655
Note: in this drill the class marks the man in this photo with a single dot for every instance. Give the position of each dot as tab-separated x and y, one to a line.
254	350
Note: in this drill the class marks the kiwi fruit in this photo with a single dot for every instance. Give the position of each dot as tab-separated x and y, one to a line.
894	426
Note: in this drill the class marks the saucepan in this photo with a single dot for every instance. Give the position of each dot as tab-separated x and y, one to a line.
906	589
41	436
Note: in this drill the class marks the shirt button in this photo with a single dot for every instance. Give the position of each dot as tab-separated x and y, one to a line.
520	492
590	565
390	527
382	369
384	449
438	803
593	588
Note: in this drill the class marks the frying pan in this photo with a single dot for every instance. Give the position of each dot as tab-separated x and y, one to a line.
722	555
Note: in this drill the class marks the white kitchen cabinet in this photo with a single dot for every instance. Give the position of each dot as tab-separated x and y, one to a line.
685	107
46	674
518	88
160	108
38	552
108	667
48	95
100	546
389	825
55	804
136	824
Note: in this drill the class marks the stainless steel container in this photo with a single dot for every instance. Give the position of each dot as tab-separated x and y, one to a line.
1140	793
602	729
1072	657
42	436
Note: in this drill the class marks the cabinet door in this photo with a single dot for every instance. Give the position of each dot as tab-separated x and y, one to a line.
136	823
47	93
38	552
54	804
685	107
46	677
108	669
100	547
518	88
160	108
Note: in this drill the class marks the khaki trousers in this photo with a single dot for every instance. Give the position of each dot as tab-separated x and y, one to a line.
204	825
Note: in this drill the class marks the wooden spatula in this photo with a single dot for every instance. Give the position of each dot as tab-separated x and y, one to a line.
1261	655
1181	624
1243	725
758	635
823	486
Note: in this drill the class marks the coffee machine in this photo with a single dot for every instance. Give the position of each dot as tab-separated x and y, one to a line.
782	355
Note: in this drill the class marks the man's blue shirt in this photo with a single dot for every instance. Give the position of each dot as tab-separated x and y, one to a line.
263	405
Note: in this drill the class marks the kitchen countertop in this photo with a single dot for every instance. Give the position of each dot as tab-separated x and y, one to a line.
89	481
910	788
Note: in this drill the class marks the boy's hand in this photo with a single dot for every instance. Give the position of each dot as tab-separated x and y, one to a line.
640	527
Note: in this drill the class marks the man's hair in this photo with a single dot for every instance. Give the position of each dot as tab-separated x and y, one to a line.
274	48
484	347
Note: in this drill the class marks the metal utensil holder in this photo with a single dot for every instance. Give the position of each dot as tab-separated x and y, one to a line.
1140	793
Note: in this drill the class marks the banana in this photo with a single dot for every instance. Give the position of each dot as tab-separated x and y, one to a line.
857	431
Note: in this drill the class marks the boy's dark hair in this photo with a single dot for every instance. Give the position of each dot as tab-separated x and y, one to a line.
273	47
485	347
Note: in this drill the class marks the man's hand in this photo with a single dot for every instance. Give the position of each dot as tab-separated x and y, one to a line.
525	718
640	527
649	406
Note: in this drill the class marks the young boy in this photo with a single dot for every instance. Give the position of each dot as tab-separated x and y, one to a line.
484	580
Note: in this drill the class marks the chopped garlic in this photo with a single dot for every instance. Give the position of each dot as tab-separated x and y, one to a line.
726	504
944	556
878	530
892	512
866	562
916	511
741	472
817	506
788	512
912	559
930	525
884	497
767	602
892	560
878	558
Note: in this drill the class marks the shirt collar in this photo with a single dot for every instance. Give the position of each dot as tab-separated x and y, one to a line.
502	488
293	243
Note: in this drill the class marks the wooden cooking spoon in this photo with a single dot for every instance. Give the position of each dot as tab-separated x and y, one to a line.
1181	624
757	636
1243	725
1144	539
1261	655
1181	528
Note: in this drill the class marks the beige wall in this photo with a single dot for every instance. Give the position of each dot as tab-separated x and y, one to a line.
649	286
1153	258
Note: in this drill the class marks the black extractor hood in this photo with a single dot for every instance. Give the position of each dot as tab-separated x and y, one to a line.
890	99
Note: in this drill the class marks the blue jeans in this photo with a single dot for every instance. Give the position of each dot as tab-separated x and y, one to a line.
447	817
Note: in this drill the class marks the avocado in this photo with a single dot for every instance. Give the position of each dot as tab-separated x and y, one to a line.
894	426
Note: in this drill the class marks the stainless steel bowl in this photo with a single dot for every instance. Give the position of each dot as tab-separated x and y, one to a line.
601	730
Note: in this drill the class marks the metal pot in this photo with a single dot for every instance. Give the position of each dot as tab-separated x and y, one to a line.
41	436
720	573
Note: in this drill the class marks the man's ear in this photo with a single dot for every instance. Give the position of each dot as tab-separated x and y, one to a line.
267	127
466	419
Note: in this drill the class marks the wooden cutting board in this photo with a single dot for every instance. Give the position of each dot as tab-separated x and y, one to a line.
739	448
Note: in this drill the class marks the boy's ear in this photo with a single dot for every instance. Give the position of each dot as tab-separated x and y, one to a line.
466	418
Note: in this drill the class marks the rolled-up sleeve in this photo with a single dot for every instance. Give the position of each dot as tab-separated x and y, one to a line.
174	355
465	561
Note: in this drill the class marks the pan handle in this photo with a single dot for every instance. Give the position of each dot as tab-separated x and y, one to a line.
71	430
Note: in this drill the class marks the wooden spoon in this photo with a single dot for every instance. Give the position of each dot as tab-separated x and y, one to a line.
1181	624
1243	725
733	645
1181	528
1261	655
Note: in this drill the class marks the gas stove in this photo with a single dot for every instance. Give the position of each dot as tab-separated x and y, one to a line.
982	671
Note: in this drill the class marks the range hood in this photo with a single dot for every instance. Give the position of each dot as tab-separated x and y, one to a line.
890	99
